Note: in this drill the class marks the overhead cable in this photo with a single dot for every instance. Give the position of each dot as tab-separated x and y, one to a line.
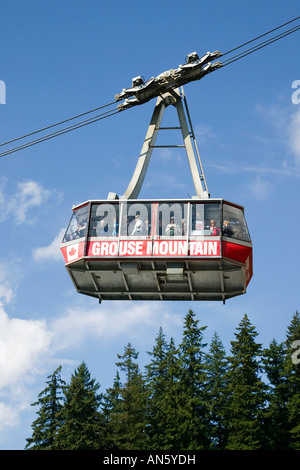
107	114
62	131
57	124
262	35
259	46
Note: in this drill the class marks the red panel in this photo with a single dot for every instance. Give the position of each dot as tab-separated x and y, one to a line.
113	248
235	251
154	248
73	252
241	254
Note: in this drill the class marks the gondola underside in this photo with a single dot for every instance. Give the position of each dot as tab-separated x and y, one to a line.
160	279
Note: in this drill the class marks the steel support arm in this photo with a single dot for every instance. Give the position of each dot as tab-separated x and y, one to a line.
135	185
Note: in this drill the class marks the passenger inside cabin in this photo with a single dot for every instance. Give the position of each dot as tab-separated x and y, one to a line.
93	227
172	229
214	230
227	230
102	229
115	228
138	226
81	230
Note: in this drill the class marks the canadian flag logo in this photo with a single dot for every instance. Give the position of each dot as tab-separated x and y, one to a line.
72	252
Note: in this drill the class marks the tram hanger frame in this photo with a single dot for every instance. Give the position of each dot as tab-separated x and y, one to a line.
175	98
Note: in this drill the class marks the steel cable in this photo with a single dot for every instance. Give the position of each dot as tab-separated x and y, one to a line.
62	131
107	114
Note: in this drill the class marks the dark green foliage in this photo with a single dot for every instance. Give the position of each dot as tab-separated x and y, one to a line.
126	405
81	420
48	422
276	416
111	407
291	373
193	405
160	381
217	393
246	391
186	399
163	410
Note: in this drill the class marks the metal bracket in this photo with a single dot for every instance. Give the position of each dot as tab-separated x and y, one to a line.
171	98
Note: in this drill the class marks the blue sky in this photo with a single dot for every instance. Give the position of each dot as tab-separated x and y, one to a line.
61	58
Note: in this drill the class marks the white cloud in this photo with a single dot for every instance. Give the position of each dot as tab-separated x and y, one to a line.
52	251
286	122
166	154
203	134
27	346
28	195
9	416
6	291
81	323
10	275
24	348
228	169
24	342
260	187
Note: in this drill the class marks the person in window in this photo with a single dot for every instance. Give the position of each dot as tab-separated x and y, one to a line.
115	228
81	229
102	229
93	228
227	230
214	230
138	226
172	229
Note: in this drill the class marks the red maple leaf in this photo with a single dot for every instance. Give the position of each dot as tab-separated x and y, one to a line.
72	251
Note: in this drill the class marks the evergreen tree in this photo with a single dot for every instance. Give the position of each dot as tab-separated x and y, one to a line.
112	403
128	418
292	375
48	422
162	380
276	420
217	370
157	370
82	422
188	400
171	402
157	385
193	407
247	391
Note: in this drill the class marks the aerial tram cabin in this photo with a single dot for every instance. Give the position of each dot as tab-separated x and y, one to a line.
158	249
131	249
